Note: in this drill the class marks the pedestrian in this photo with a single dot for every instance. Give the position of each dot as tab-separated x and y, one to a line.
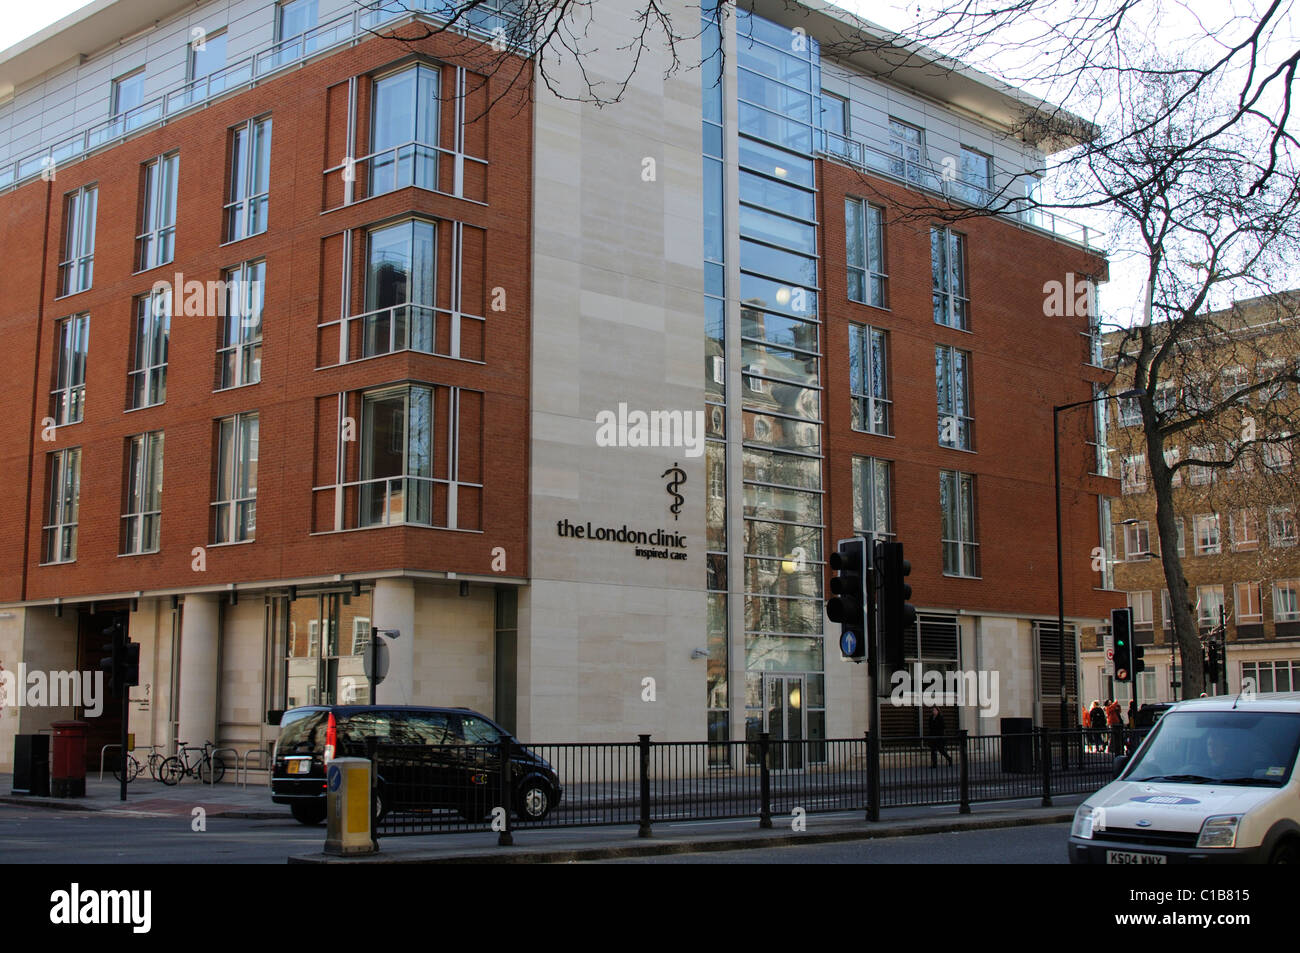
1097	718
1132	712
1116	725
934	729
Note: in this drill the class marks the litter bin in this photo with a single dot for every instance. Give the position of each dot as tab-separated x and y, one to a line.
68	763
32	765
1017	745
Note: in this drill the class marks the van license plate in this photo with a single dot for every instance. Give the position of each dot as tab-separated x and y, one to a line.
1130	857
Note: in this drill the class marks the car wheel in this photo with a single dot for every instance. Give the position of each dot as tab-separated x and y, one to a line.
534	800
380	803
1287	852
310	813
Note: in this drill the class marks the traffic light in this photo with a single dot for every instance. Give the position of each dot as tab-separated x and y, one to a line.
114	659
1138	664
1121	627
897	615
131	664
849	605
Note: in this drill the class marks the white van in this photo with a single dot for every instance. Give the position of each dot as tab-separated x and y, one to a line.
1214	782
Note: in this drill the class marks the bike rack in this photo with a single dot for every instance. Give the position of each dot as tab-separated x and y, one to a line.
213	756
101	758
263	761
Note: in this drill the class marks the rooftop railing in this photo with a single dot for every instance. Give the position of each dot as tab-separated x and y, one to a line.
1018	211
487	22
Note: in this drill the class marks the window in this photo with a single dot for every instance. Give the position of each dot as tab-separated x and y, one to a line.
1140	603
1281	676
976	184
952	385
948	270
1172	456
128	95
1166	398
292	19
144	479
404	135
77	269
1133	473
1137	541
957	504
157	239
397	457
1182	538
864	234
401	275
1199	475
1244	526
1166	610
207	55
64	481
1281	526
68	399
1267	370
148	376
240	355
250	164
1286	600
1199	394
1246	602
1209	600
835	114
1232	380
869	379
907	143
1277	456
235	507
872	506
1207	534
1130	413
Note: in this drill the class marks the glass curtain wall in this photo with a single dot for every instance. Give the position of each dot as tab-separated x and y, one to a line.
778	103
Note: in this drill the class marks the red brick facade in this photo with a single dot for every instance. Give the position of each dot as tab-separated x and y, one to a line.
1022	364
297	443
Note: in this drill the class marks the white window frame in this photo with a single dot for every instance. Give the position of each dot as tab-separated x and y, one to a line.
246	210
976	193
148	354
965	429
1244	527
872	471
235	513
1198	475
142	520
156	243
865	339
948	294
59	543
68	398
909	156
1209	540
1141	604
1282	518
967	550
80	211
1281	614
1132	466
239	358
1254	598
1137	541
1204	617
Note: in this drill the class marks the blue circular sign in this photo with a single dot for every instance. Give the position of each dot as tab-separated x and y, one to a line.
849	642
335	777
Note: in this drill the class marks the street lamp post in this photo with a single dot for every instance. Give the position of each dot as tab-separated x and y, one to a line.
1060	565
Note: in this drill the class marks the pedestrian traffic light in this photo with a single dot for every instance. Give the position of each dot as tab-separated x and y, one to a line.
1121	627
897	615
849	605
114	659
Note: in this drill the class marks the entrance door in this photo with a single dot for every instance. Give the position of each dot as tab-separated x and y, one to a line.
786	719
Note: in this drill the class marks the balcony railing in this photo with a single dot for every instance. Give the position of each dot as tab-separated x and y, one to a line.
350	28
407	327
1016	210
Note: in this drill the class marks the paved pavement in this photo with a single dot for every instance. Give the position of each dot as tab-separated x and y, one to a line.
147	798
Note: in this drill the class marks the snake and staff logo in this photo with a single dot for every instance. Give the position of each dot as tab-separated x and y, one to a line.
679	477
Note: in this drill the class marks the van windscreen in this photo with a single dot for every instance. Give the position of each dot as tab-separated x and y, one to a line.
302	732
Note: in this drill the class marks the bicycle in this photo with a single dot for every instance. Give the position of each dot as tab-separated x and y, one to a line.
156	759
204	767
133	768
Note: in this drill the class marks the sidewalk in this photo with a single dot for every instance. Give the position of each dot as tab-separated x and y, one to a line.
149	798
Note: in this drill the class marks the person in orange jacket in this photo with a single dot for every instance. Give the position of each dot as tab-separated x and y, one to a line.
1112	713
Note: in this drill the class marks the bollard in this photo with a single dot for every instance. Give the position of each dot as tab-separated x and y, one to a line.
764	781
963	777
347	801
643	743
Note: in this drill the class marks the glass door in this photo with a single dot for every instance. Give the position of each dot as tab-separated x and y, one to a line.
786	720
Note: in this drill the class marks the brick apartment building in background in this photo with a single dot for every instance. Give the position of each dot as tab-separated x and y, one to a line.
1236	526
453	281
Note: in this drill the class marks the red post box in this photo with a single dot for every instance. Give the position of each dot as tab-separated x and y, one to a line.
68	759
